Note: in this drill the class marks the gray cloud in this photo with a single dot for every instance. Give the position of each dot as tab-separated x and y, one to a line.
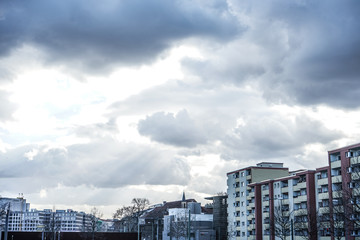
101	164
97	130
296	52
275	137
95	36
179	130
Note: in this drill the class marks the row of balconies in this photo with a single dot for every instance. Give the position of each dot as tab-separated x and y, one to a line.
246	173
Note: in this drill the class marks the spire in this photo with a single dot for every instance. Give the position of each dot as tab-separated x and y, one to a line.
183	197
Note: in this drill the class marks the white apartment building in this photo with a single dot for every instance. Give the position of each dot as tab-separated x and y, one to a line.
241	197
21	218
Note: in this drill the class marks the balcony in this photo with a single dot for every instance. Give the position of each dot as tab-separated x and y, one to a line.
300	199
301	185
265	192
355	160
335	164
285	189
323	181
355	176
251	227
336	179
323	196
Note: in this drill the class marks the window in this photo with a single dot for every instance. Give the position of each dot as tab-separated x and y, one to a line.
303	192
335	157
242	184
242	194
242	174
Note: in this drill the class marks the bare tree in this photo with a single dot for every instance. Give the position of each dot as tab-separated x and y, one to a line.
178	229
307	224
282	221
94	217
351	195
333	217
345	205
51	224
140	204
128	215
3	211
180	226
231	231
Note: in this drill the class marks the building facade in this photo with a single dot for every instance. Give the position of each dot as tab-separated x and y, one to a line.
23	219
219	206
241	197
188	222
306	204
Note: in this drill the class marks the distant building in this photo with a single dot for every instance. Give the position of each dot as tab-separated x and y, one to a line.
219	206
161	221
21	218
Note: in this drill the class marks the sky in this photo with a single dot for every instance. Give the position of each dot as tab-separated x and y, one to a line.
104	101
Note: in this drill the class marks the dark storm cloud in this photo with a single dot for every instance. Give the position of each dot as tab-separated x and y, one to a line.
179	130
326	70
296	52
96	35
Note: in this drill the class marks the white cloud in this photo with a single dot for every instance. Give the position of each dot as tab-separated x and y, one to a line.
31	154
95	112
43	193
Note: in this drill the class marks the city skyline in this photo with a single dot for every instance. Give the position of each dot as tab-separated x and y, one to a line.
104	102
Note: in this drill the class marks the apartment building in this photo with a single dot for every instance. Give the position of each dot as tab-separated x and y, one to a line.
344	188
24	219
241	197
313	204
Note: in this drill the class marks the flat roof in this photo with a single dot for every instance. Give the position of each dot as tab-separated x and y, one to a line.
346	147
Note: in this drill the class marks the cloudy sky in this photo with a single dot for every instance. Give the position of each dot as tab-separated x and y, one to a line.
103	101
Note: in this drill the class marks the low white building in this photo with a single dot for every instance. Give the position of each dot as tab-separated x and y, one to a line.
180	222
